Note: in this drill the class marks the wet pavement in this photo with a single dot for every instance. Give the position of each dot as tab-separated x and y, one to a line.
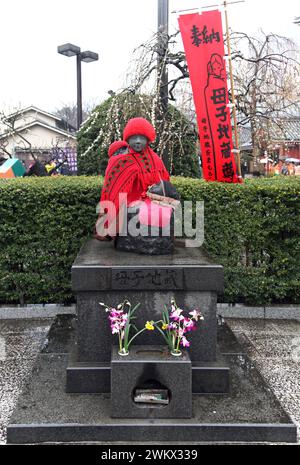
273	345
20	343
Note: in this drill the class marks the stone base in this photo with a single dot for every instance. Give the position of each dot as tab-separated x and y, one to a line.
46	413
92	377
148	367
150	241
103	274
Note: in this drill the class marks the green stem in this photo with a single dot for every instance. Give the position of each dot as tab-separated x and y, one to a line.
120	341
134	309
128	344
163	334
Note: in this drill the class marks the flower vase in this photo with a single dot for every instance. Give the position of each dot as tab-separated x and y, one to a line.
123	352
176	352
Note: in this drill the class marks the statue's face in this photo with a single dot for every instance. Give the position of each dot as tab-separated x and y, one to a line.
138	142
122	150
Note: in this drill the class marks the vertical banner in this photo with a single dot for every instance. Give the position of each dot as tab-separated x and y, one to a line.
204	49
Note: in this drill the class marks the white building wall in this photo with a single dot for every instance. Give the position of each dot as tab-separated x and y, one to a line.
33	115
39	138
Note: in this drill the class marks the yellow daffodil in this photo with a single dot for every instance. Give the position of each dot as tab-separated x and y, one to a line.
149	325
164	326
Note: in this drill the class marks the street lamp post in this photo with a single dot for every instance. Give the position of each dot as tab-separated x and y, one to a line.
71	50
163	30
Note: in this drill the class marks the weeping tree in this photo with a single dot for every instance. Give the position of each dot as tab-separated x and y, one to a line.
267	82
266	74
107	121
142	96
266	77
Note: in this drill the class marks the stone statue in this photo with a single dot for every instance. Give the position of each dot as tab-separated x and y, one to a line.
137	184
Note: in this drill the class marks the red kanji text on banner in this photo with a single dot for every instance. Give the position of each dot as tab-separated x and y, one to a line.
204	48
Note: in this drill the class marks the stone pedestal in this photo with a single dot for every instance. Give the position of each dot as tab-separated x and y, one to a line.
103	274
146	367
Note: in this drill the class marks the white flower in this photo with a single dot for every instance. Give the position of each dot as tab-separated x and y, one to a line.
196	315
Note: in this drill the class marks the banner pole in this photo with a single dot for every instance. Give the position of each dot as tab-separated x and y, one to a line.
236	135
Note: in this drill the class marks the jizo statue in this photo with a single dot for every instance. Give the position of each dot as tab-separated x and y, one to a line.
128	212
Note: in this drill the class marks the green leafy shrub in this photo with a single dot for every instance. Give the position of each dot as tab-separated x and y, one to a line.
251	229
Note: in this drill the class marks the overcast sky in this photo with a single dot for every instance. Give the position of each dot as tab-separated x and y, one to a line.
33	73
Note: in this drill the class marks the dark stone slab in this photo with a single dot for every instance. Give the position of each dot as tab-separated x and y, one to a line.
94	338
62	335
82	378
150	367
150	240
145	243
210	378
102	274
207	378
147	278
92	269
154	432
46	413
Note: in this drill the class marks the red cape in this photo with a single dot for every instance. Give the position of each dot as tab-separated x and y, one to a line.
132	174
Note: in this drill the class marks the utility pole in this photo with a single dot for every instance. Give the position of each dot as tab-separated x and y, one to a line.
236	134
163	31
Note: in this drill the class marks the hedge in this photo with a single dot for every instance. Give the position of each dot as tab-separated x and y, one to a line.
251	229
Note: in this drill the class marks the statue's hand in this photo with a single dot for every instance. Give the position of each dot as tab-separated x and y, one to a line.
165	189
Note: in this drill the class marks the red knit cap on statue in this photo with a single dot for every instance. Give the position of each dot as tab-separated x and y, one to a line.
118	144
141	127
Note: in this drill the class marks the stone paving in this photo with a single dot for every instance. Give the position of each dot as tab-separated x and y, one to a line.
274	346
20	342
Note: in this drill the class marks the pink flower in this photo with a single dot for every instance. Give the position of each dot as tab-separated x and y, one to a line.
189	324
172	326
116	313
184	342
196	315
180	332
176	315
115	329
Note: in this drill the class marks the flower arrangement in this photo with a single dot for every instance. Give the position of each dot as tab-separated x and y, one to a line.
174	326
121	324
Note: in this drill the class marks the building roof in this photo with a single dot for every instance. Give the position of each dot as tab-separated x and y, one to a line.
32	108
39	123
245	138
281	130
286	129
60	123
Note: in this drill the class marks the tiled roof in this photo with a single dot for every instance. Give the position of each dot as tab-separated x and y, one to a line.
245	138
286	129
281	130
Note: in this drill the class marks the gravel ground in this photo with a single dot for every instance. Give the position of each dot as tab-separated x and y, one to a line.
20	342
274	346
